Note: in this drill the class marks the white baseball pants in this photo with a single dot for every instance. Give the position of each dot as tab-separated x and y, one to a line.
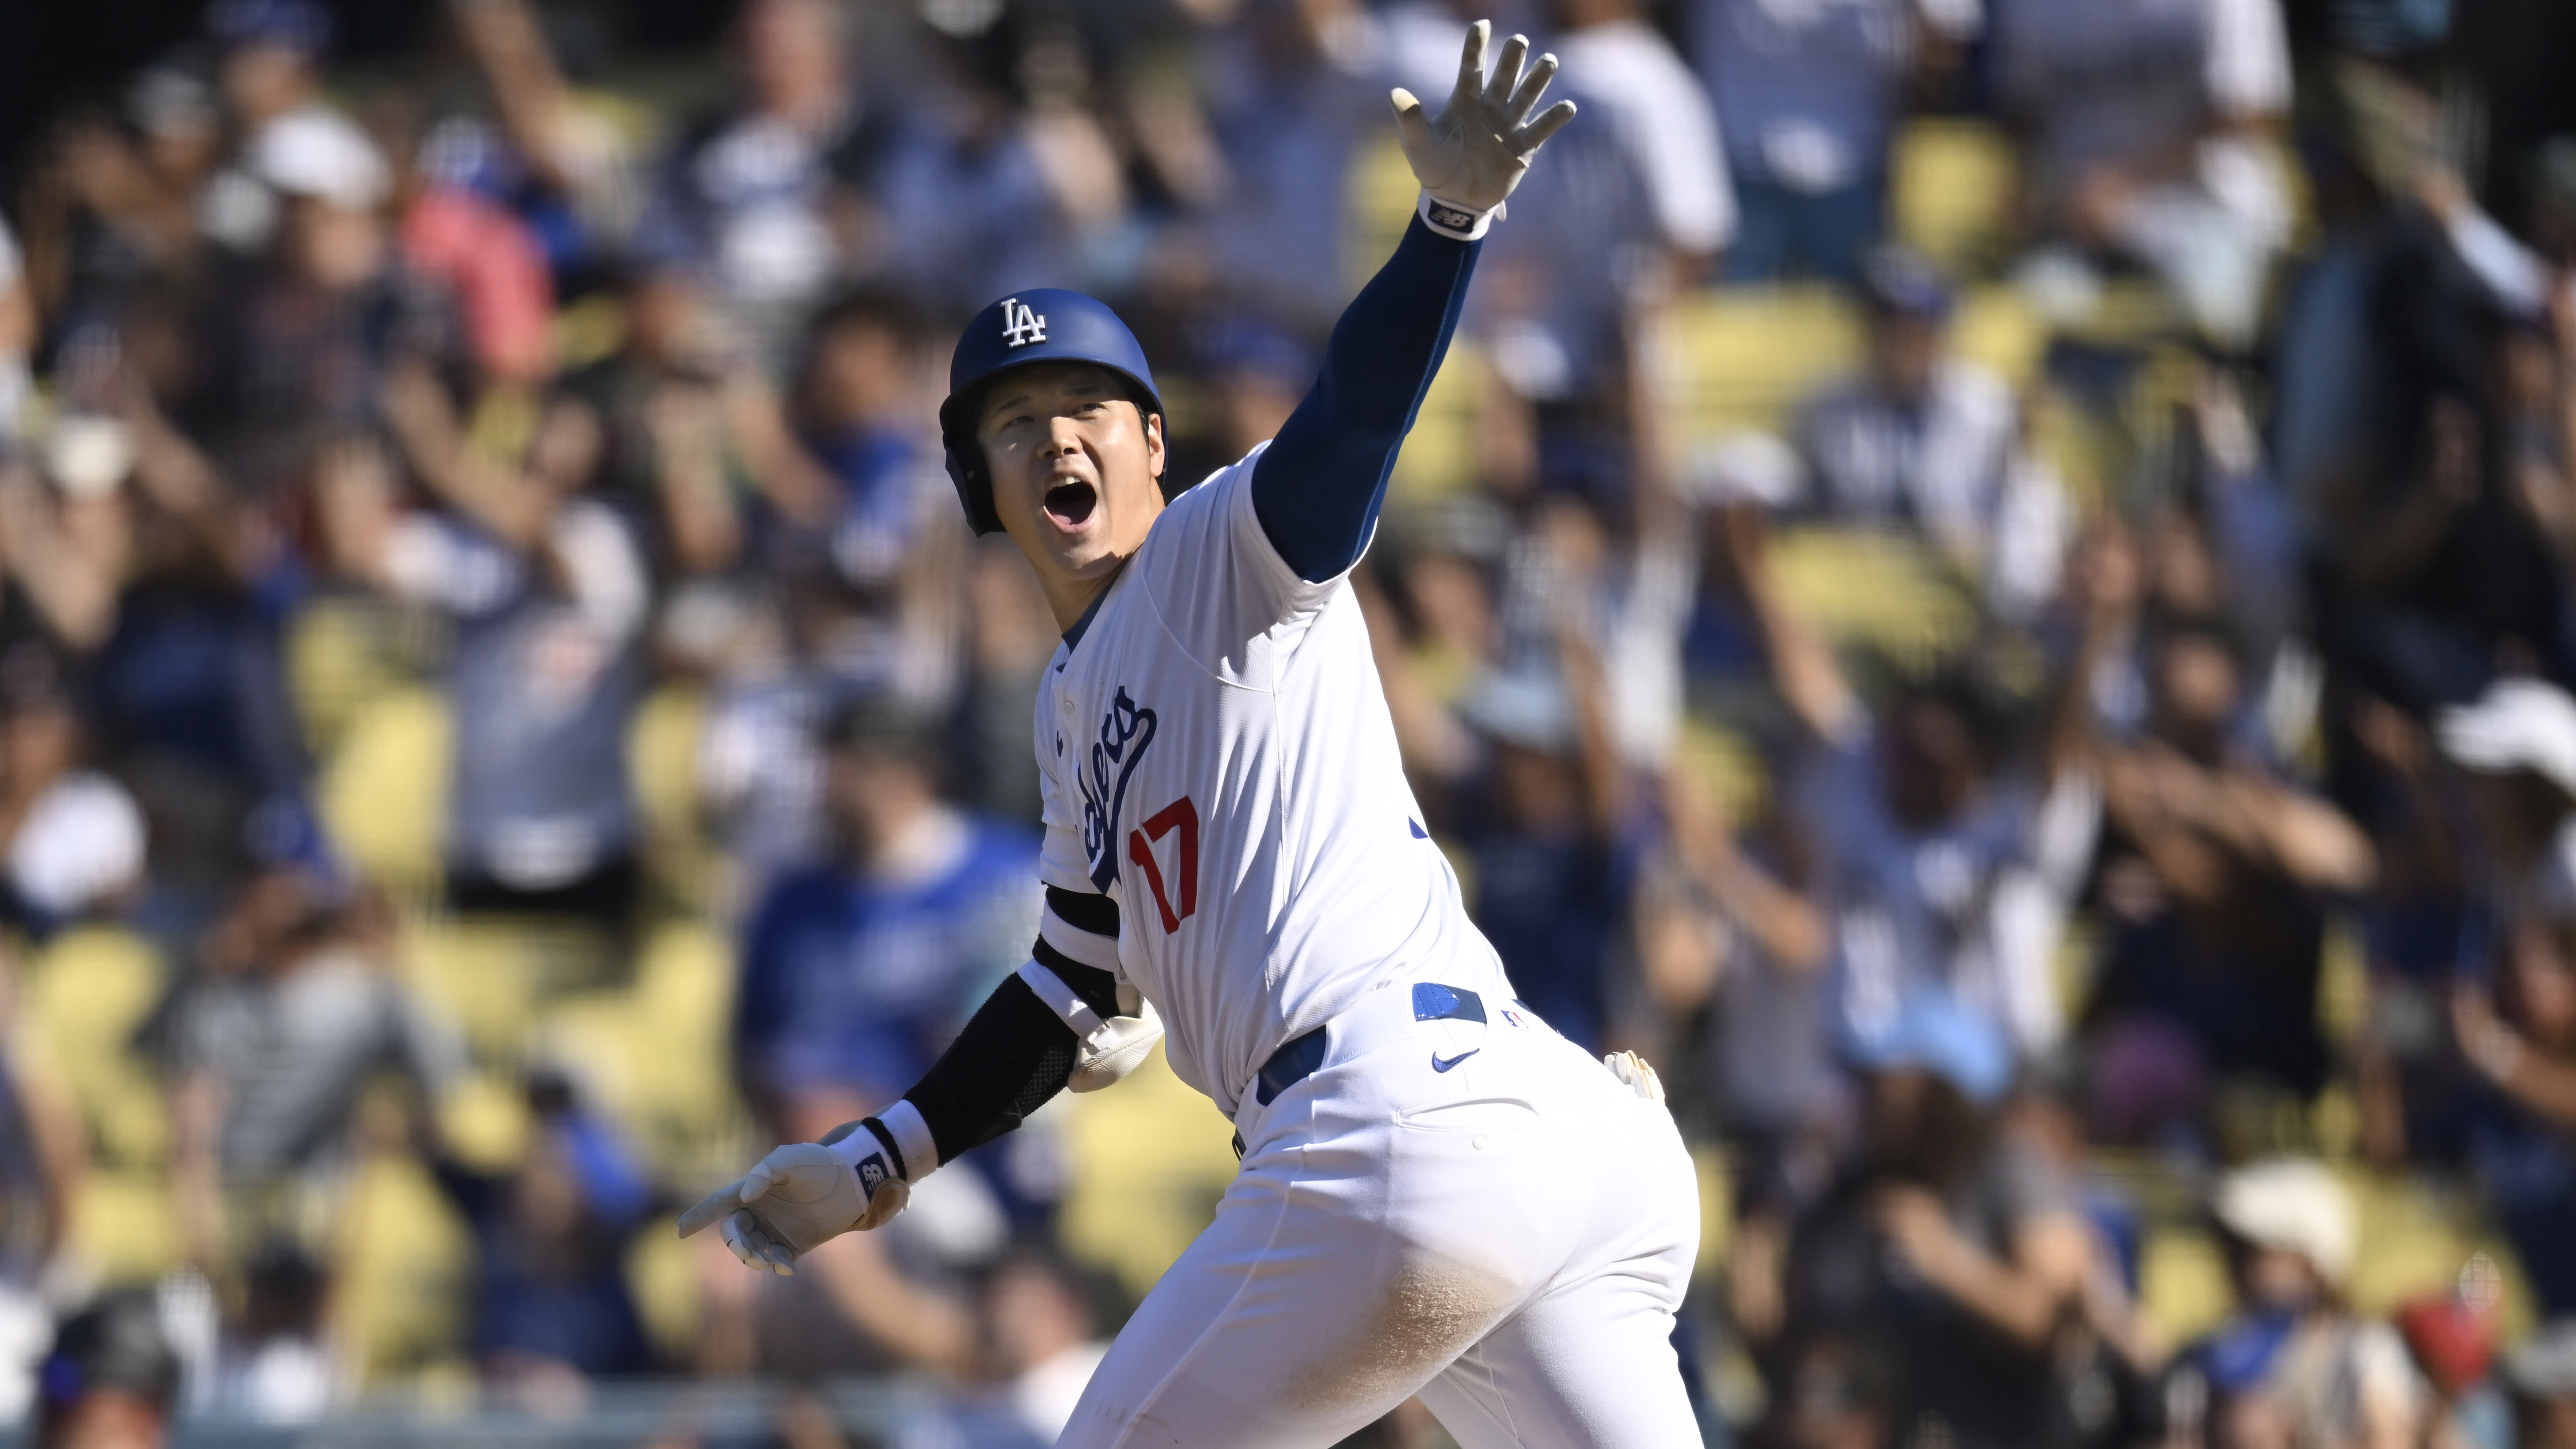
1508	1238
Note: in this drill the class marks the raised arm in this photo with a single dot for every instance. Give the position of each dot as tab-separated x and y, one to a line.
1318	488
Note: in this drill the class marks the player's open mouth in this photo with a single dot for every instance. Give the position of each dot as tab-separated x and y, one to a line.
1069	503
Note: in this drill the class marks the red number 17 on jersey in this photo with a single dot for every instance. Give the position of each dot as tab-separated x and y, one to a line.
1183	816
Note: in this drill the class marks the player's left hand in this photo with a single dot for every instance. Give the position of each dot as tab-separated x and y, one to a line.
1475	151
795	1199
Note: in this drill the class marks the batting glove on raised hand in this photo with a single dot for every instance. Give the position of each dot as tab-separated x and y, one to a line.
1475	151
802	1195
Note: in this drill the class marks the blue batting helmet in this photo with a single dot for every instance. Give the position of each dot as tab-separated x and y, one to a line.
1044	324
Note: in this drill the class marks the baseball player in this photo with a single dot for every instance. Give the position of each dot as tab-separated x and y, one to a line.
1439	1194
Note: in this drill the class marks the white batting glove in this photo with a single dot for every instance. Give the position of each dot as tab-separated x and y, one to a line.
801	1196
1636	1074
1106	1047
1117	1045
1471	156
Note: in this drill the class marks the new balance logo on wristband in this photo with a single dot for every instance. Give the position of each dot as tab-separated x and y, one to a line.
873	1173
1451	217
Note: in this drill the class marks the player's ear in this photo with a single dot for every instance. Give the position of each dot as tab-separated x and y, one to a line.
1154	457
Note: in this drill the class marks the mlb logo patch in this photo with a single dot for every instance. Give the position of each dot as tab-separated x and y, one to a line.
1514	1018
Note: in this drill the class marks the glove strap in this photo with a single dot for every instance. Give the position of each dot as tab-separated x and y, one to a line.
1455	222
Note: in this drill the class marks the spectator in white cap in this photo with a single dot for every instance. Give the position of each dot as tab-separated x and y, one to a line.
2517	742
333	184
299	350
2295	1230
2295	1365
269	73
71	838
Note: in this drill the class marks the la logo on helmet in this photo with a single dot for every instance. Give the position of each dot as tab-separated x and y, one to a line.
1021	325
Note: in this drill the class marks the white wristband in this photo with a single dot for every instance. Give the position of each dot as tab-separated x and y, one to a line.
911	1138
1454	221
911	1135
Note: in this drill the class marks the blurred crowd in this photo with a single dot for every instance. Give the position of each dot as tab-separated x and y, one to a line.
1991	584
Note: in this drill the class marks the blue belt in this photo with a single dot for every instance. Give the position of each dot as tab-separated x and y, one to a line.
1296	1061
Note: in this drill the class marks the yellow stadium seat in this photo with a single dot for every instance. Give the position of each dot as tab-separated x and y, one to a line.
123	1226
1380	195
1746	357
2183	1290
485	976
1913	608
339	656
86	993
1439	458
1716	1208
484	1121
83	997
1996	328
662	759
402	1263
1951	190
1725	764
1149	1159
2129	311
383	792
653	1054
662	1273
662	765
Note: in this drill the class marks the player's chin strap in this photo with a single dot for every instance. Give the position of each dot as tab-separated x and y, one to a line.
1111	1047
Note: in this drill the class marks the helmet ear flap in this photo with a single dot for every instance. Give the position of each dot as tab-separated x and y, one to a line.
966	471
974	489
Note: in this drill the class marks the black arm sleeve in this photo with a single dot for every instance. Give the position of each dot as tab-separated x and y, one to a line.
1013	1055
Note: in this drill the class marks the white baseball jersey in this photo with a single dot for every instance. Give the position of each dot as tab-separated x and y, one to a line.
1217	756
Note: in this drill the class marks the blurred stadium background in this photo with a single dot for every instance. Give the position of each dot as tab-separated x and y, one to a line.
1990	583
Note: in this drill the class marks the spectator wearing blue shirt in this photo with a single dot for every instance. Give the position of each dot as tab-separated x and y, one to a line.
551	1299
1539	815
858	412
857	969
2518	1036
